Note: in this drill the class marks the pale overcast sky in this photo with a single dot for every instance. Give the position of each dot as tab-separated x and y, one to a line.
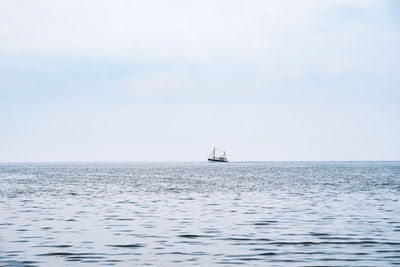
155	80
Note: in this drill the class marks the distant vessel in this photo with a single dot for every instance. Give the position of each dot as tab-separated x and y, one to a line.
214	158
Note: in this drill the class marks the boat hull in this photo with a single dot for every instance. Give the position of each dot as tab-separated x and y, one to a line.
217	160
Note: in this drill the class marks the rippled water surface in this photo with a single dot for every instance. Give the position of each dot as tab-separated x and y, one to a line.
274	214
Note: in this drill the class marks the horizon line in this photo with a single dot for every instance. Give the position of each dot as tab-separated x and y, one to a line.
204	161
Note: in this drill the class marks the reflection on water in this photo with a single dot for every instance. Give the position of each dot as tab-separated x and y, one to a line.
298	214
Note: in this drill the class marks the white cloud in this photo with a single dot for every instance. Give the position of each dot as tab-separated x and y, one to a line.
280	40
166	30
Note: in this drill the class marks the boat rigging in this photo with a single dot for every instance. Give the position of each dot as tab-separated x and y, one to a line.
217	158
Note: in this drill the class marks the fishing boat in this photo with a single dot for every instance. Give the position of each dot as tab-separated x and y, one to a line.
217	158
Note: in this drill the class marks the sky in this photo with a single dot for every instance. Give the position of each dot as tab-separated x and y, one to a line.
127	80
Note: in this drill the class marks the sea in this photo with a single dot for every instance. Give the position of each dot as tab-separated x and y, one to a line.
206	214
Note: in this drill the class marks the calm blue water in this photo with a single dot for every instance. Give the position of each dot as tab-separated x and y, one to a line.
266	214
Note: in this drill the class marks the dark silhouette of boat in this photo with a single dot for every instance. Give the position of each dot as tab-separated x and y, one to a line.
214	158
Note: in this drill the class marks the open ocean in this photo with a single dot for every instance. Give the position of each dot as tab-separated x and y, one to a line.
169	214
